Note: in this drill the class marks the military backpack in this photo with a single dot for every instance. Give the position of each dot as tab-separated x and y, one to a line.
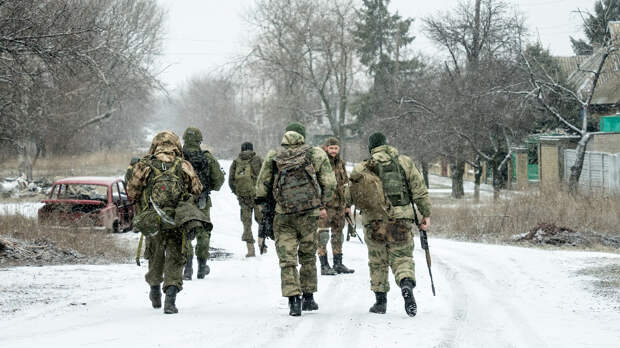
164	191
296	187
244	178
367	193
394	182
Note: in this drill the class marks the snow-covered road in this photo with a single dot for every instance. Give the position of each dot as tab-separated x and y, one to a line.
487	296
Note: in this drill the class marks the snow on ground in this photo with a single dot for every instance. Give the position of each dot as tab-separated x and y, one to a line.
487	295
28	209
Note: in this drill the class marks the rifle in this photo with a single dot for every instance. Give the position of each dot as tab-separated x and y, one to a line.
265	228
424	244
351	229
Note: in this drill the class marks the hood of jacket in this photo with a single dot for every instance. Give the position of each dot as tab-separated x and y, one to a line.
247	154
292	139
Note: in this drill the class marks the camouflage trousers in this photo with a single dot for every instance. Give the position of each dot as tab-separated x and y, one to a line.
383	255
165	254
335	222
247	206
203	239
296	239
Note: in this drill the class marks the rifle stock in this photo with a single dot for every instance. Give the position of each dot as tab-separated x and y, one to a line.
424	245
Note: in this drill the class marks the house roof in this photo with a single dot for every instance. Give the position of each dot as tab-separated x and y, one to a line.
581	68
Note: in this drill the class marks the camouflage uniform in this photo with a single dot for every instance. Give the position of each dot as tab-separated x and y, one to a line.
394	254
295	234
335	209
163	250
191	142
246	203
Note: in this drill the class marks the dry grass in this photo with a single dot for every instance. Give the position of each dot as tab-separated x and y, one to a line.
93	245
94	163
498	221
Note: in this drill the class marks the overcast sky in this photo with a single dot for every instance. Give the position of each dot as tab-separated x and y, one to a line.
203	35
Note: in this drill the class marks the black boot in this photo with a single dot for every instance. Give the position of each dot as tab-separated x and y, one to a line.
339	267
203	269
187	273
171	296
308	303
325	268
155	296
381	303
406	288
294	303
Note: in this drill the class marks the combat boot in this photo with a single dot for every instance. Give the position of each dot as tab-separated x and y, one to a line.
406	288
171	296
339	267
294	303
155	296
251	252
203	268
381	303
325	268
187	273
308	303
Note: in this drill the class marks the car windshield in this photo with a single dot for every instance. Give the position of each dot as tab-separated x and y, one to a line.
81	191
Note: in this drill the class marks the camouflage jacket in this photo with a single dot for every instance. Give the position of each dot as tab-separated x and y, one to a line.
419	193
338	202
166	147
320	162
255	163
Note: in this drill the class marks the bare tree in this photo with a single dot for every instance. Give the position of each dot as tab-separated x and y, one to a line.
544	86
306	46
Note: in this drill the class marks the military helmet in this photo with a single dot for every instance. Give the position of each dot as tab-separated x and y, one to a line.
192	134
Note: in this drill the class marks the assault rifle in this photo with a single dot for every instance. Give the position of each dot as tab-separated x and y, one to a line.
424	244
351	229
265	228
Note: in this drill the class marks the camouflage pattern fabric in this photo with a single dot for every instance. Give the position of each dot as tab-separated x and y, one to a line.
255	163
203	240
192	139
166	146
296	239
335	222
246	204
383	255
419	193
320	162
335	208
164	250
166	260
247	207
295	234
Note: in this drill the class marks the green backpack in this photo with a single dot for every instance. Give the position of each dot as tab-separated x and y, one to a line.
296	187
244	178
394	182
165	188
367	193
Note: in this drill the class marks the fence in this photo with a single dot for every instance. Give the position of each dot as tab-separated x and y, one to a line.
601	170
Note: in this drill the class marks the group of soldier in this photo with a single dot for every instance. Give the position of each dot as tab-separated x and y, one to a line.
303	191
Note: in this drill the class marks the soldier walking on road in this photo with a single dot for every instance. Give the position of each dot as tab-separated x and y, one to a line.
336	210
242	181
161	184
302	182
212	178
385	187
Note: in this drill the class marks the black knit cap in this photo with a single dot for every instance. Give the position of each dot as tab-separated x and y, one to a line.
247	146
375	140
297	127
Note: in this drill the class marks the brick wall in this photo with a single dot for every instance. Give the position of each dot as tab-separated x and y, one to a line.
605	142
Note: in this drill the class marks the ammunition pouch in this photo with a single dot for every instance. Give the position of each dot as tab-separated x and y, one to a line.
396	231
